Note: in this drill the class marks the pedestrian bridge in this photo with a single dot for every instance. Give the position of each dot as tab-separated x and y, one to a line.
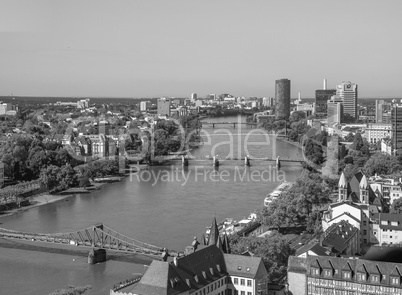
96	236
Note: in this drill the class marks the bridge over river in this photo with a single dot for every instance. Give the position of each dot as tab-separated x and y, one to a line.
235	123
97	236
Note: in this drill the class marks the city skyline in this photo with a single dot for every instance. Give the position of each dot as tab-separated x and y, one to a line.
175	48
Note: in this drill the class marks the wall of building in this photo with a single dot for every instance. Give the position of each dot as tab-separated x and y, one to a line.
297	283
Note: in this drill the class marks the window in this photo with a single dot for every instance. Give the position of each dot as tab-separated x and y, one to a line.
327	273
236	292
229	291
242	282
243	293
361	277
346	274
248	283
385	236
375	278
384	222
236	281
315	271
248	293
395	280
394	223
364	232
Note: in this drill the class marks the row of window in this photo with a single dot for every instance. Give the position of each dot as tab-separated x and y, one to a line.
345	285
212	287
237	292
361	277
235	281
386	222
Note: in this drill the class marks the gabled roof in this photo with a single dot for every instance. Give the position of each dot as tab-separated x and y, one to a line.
193	271
245	266
160	279
342	181
338	235
363	182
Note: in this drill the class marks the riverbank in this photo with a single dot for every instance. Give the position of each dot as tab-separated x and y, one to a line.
46	198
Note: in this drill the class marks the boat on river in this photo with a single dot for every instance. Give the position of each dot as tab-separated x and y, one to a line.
276	193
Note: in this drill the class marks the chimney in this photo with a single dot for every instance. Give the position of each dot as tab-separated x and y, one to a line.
324	84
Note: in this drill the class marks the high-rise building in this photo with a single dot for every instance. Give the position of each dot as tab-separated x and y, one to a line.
396	129
348	92
193	96
379	110
334	110
164	107
144	105
282	98
322	96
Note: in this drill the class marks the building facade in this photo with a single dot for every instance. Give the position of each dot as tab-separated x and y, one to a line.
341	276
206	271
334	111
321	99
348	92
396	129
374	132
164	107
282	98
144	105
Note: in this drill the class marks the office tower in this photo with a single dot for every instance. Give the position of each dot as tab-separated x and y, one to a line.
334	110
322	96
193	97
144	105
348	92
164	107
379	110
282	98
396	129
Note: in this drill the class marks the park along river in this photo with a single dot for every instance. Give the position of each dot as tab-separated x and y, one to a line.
163	205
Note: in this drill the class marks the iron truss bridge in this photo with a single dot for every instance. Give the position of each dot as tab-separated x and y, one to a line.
96	236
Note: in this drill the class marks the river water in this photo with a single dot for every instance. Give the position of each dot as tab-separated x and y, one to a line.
165	205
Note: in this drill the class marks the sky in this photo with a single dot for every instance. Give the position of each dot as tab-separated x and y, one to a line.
172	48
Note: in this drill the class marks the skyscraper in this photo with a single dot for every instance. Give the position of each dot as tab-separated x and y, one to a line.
396	129
164	107
321	98
378	110
334	111
282	98
348	92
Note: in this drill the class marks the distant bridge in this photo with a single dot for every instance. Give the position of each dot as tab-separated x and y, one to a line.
96	236
227	123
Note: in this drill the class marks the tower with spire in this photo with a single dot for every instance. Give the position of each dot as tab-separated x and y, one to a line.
342	188
364	191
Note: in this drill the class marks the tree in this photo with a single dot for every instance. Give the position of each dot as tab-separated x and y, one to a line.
381	164
49	177
273	249
396	206
72	290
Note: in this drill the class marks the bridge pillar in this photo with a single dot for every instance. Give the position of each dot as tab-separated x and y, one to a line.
96	256
215	162
247	161
234	125
278	163
213	125
184	161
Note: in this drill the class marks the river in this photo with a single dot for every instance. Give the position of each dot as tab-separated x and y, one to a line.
165	206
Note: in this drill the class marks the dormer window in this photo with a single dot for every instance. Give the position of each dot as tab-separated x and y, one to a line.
315	271
361	277
395	280
327	273
346	275
375	278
